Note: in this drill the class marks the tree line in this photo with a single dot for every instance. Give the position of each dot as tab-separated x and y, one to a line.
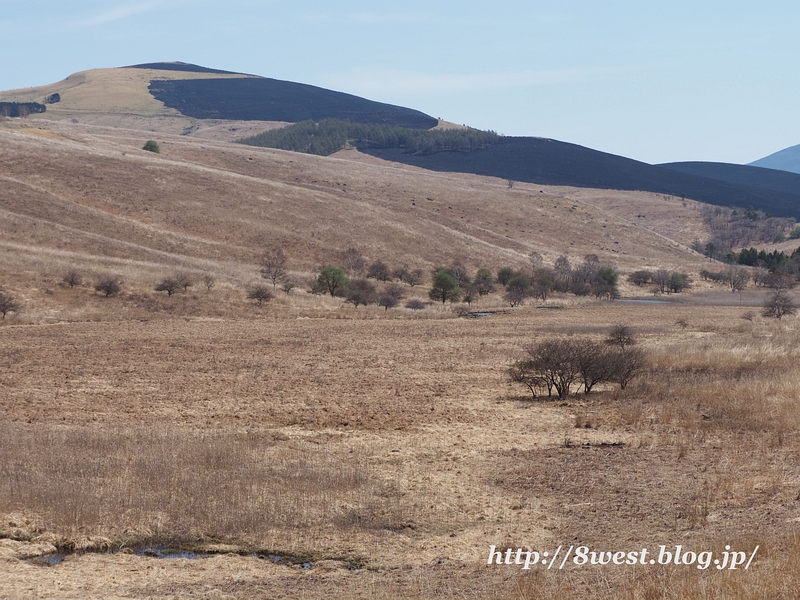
331	135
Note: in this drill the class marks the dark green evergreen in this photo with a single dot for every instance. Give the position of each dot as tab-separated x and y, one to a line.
331	135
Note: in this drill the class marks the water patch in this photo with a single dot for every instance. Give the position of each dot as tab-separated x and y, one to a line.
170	552
46	561
288	561
165	552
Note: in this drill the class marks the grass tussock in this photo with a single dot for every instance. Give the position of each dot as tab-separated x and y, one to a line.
185	486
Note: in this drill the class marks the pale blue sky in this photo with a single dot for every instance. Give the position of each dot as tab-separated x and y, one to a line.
668	81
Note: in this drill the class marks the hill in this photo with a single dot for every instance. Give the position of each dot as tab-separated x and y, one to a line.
750	176
551	162
187	99
74	195
184	90
787	159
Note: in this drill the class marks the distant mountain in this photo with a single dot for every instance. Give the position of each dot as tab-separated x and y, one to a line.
787	159
551	162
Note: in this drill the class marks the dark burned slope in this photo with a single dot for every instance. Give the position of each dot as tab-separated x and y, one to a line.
550	162
757	177
264	99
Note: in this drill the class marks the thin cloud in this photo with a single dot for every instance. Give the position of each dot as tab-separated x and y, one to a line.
377	82
390	17
368	18
119	13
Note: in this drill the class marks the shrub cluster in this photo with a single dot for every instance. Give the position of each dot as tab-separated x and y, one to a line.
662	281
559	364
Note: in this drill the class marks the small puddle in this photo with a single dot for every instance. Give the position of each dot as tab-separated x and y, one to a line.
162	552
166	553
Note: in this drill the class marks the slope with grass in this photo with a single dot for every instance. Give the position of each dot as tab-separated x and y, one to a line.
551	162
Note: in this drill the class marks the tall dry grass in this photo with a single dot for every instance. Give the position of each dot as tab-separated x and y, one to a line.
188	486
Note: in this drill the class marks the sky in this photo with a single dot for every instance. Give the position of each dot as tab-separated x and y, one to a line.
655	81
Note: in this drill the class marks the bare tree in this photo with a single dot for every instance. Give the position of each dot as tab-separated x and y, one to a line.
353	262
108	285
736	278
627	364
391	296
361	291
560	364
662	280
414	277
259	293
459	271
8	304
209	282
536	260
622	336
379	270
184	280
72	278
778	305
169	285
273	266
468	293
415	304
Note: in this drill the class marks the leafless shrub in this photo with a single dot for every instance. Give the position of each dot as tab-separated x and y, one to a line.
273	266
559	364
353	262
108	285
8	304
72	278
778	305
391	296
415	304
259	293
622	336
184	280
169	285
209	282
361	292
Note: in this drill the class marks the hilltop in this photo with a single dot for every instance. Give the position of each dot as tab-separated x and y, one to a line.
185	90
787	159
181	98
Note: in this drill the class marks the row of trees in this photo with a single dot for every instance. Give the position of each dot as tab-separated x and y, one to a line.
662	280
561	364
331	135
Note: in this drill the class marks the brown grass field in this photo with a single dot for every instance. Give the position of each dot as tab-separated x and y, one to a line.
309	449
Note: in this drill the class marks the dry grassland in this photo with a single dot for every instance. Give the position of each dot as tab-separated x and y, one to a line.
391	453
371	453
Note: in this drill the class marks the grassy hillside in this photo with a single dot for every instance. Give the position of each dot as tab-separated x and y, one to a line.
179	89
99	202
